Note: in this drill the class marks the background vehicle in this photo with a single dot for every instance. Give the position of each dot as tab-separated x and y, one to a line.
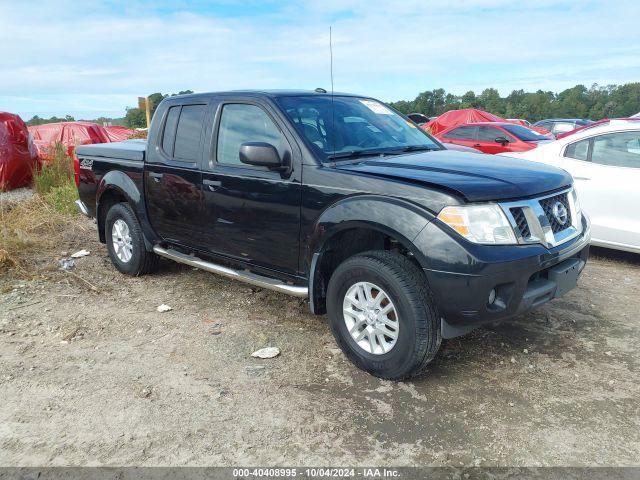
418	118
605	163
69	134
459	148
520	121
18	157
493	137
596	124
562	125
339	199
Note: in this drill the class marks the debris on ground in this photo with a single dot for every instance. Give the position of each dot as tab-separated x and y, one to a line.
267	352
164	308
66	263
254	369
80	253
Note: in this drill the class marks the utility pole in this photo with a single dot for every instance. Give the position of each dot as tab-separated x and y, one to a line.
145	104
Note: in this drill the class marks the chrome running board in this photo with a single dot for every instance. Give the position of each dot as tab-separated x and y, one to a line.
243	276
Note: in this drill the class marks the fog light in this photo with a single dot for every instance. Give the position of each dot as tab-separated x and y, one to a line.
492	296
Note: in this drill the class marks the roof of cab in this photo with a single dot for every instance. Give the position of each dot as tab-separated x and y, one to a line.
264	93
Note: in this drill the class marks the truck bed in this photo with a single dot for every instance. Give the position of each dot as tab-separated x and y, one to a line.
127	150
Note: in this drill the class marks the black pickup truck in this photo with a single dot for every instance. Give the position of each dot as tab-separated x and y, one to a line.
340	199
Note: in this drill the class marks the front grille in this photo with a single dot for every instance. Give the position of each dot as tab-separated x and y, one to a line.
547	205
533	220
521	222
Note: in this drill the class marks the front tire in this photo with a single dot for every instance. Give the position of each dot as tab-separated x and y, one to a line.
382	314
125	242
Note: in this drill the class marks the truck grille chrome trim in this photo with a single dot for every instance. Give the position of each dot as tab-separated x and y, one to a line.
550	220
243	276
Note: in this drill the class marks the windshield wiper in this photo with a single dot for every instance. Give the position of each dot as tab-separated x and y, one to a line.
417	148
357	154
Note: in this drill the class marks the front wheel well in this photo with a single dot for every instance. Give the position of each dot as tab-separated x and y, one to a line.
107	200
346	244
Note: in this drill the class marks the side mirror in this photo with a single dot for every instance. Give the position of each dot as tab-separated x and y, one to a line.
501	140
261	154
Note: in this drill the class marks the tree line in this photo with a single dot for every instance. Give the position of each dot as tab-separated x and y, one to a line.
595	102
134	117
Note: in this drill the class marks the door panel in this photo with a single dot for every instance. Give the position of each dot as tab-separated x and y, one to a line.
173	178
608	193
174	202
253	216
252	213
486	140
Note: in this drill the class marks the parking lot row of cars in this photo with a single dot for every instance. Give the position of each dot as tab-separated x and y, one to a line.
603	157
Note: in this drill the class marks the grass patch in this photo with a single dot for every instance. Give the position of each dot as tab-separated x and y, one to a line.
35	229
43	222
55	182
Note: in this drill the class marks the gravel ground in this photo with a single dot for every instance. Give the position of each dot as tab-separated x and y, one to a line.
13	197
92	374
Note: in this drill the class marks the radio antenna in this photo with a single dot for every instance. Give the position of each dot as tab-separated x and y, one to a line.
331	58
333	117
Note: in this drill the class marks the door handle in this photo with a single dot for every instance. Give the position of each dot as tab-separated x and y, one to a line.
156	176
477	145
212	184
582	178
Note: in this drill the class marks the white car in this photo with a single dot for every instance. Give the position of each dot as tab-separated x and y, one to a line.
605	163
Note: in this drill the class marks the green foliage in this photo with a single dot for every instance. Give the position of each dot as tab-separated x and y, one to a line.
36	120
135	118
62	198
576	102
55	181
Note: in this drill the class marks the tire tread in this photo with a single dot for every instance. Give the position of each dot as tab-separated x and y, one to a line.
420	297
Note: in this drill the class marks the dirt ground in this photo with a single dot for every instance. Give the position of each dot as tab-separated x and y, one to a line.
92	374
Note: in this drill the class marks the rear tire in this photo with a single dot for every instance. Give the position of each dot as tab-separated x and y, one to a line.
125	242
413	337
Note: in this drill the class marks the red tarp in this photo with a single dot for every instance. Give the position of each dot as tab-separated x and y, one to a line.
118	133
18	156
69	134
454	118
458	117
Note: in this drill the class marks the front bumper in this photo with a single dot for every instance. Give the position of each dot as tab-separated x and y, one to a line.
522	277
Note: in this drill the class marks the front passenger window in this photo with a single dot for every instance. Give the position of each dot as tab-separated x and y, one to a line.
241	123
617	149
489	134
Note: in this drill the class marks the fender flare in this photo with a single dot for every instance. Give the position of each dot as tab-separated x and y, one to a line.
396	218
119	182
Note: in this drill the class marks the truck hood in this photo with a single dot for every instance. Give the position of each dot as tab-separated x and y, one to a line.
476	177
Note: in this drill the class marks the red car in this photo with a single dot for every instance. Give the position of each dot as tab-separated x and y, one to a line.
493	137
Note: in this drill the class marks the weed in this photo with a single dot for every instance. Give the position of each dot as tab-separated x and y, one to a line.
55	182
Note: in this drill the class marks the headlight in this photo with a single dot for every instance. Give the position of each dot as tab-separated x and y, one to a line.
479	223
576	201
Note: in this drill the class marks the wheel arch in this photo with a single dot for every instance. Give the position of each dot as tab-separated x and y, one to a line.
117	187
356	225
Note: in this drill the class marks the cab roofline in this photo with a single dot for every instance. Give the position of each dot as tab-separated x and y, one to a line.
265	93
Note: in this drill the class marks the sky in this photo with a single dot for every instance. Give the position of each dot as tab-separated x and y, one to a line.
95	57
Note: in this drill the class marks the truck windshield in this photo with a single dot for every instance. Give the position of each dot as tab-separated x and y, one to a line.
349	127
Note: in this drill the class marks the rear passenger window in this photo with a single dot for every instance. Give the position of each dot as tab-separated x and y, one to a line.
188	133
578	150
462	133
169	133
